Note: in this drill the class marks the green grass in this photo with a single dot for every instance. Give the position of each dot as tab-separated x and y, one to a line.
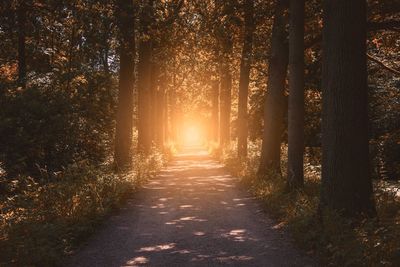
41	223
334	240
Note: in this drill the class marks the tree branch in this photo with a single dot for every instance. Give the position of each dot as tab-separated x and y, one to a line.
377	61
390	25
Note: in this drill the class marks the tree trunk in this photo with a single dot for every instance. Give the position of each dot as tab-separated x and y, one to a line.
226	48
225	93
214	110
346	183
295	175
123	135
173	116
144	80
71	49
173	102
245	66
106	47
166	117
274	107
154	104
159	118
21	15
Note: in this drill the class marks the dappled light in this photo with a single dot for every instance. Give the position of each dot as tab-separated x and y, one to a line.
137	261
157	248
192	213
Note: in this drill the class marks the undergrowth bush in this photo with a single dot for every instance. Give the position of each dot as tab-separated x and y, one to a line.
46	126
333	239
39	223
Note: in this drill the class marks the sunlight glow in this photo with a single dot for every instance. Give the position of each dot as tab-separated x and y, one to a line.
193	135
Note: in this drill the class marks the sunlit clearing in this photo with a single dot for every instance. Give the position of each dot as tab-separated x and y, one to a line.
193	135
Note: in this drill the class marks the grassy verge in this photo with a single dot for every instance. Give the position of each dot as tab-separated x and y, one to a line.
334	240
41	223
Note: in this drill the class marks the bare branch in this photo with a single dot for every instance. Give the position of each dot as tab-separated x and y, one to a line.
390	25
377	61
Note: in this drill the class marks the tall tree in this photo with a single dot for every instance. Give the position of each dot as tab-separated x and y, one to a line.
295	175
160	109
225	94
173	103
274	108
346	183
245	66
226	43
214	110
123	135
154	104
21	20
144	77
166	115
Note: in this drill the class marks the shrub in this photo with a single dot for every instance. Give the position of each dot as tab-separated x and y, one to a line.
46	127
39	223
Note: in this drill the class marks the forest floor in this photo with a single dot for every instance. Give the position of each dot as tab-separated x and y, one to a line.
192	214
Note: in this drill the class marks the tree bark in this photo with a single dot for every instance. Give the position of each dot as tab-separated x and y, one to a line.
106	47
214	110
274	107
173	103
154	104
225	92
71	49
123	135
295	174
144	80
245	66
226	48
346	183
21	19
166	117
159	118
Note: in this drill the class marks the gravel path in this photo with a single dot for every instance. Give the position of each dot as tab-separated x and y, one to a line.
191	214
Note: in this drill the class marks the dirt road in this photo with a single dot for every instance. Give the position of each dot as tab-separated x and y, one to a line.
191	214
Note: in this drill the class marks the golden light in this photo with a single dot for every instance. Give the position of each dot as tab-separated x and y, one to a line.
193	135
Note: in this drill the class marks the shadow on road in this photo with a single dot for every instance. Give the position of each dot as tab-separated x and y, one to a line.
191	214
